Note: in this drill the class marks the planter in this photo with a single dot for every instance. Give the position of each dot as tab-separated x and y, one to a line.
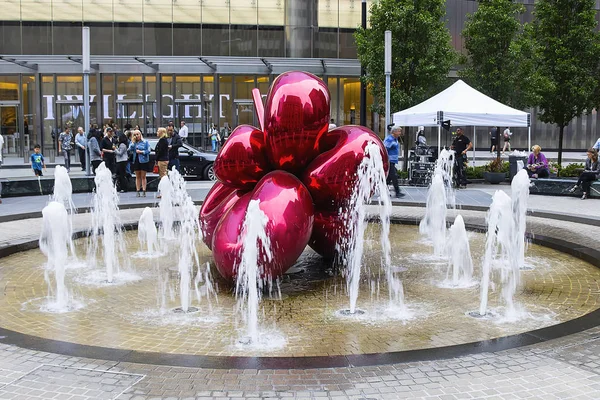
494	177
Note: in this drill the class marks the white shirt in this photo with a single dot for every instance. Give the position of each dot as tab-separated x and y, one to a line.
332	126
183	132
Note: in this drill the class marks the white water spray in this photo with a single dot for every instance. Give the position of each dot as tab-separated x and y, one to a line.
460	265
250	280
147	233
54	243
165	188
439	196
370	180
106	222
63	194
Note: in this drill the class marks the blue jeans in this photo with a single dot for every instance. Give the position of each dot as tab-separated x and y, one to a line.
214	145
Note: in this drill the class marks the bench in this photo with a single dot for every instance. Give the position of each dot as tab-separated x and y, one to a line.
560	187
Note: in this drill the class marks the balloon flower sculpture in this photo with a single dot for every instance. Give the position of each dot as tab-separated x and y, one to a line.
302	174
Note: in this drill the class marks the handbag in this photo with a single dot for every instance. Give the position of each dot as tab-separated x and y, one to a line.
155	169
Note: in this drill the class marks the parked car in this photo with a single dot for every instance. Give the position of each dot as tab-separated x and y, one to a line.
193	162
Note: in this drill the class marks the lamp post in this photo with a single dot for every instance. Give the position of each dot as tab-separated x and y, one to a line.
363	87
85	40
388	74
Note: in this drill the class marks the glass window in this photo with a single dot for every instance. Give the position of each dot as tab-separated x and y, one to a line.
187	39
187	11
160	11
328	14
347	44
129	101
66	38
350	101
243	40
244	12
271	12
31	134
128	10
101	38
128	39
38	10
326	43
98	10
271	41
48	116
215	41
9	87
225	101
10	37
151	111
64	10
244	112
332	84
158	39
350	13
167	103
37	38
215	12
108	99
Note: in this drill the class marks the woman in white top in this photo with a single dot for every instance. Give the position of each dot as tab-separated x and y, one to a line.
507	135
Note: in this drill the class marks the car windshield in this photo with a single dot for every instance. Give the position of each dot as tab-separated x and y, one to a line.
182	150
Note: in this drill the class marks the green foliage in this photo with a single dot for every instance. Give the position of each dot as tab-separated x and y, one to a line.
403	174
475	172
573	170
421	51
493	56
497	165
565	54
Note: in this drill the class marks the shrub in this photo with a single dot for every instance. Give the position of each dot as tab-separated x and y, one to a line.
475	172
496	165
572	169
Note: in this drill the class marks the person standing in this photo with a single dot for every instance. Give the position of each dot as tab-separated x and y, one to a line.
589	174
393	150
162	152
174	144
494	139
108	150
122	159
94	146
214	138
65	145
141	161
81	143
332	125
37	161
461	145
183	132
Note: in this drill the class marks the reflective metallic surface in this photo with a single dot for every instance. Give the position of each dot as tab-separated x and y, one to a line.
242	160
296	116
331	177
288	206
328	228
219	199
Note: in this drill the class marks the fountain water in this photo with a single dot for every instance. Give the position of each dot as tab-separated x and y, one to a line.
370	180
54	243
460	264
165	188
63	190
439	196
147	234
106	222
250	280
63	194
505	244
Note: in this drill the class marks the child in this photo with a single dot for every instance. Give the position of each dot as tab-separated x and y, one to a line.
37	161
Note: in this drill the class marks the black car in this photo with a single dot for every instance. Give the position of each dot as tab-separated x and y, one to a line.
193	162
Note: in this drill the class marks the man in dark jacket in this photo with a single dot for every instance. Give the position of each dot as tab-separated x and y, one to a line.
174	144
108	150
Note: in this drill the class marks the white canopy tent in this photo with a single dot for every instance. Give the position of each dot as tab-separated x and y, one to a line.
462	106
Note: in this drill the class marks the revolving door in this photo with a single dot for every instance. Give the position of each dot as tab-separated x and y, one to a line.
11	126
197	115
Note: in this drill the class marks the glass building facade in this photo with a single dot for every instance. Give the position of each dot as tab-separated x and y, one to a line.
194	60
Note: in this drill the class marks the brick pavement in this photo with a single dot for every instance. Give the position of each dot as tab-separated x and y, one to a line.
564	368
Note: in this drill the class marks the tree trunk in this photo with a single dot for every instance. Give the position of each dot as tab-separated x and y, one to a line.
561	132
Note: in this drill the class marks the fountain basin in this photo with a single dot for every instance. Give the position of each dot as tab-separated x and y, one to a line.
128	323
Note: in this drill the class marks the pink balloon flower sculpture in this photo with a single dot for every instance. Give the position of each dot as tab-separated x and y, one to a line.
302	175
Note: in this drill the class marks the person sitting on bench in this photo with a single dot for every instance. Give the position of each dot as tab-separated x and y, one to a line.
537	164
589	174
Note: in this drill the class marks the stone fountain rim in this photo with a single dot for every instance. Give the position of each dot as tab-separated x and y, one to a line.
537	336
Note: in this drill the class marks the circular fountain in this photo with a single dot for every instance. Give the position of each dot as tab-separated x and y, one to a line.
258	289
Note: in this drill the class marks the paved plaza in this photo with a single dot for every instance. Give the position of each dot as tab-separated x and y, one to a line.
545	364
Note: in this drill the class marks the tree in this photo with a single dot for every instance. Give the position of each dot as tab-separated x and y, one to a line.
490	40
566	49
421	51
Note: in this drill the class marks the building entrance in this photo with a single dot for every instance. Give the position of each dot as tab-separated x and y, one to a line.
137	112
197	115
13	130
244	113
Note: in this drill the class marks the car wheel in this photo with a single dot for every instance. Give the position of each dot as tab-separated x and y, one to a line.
209	173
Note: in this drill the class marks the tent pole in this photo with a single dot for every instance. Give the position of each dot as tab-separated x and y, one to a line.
474	143
439	138
529	138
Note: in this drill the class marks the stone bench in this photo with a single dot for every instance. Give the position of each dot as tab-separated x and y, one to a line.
560	187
